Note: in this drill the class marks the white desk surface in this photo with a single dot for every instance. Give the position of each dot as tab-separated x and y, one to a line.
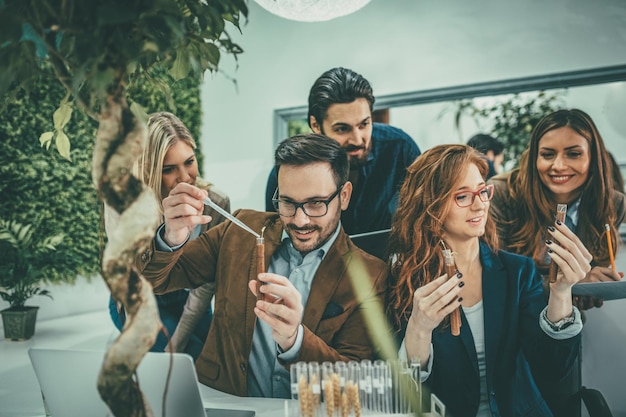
19	390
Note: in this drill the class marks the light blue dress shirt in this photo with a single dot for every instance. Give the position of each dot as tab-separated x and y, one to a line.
266	376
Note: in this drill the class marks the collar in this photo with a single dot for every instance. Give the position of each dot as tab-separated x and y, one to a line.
572	211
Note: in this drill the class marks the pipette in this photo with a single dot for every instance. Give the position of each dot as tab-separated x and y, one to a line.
229	216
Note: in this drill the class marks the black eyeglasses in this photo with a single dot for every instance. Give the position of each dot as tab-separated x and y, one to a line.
466	198
312	208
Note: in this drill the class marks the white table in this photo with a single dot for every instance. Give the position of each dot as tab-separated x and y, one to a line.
20	395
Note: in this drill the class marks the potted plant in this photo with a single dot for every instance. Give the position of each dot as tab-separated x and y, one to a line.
25	265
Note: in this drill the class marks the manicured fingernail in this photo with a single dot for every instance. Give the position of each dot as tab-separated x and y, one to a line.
459	275
461	284
559	222
551	228
550	250
460	299
548	242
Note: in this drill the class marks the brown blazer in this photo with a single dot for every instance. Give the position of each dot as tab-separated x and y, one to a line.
226	255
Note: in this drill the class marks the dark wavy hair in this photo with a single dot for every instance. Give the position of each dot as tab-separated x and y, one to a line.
337	85
310	148
417	229
535	204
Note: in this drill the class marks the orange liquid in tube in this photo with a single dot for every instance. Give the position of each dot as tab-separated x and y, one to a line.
260	265
455	316
561	211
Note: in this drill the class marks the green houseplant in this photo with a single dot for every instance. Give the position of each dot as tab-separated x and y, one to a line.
510	118
26	263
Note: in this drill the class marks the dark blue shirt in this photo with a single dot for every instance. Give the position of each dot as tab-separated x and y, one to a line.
375	198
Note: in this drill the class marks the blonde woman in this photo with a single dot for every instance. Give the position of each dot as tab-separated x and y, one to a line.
167	160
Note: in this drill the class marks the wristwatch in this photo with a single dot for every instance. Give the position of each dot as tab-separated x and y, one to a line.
561	324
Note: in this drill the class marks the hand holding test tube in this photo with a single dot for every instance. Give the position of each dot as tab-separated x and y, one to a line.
561	212
455	316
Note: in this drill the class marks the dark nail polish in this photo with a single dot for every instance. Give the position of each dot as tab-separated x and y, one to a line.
461	284
460	299
551	228
459	275
548	242
559	222
550	250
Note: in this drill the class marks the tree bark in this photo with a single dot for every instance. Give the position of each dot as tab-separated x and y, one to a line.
119	141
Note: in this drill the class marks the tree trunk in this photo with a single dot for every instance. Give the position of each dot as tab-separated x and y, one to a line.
119	141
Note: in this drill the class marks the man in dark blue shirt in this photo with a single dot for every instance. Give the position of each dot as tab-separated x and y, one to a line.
340	107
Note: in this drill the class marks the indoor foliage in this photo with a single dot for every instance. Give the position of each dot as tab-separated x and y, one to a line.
36	182
97	49
511	118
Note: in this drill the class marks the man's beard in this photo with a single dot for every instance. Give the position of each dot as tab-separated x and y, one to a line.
357	161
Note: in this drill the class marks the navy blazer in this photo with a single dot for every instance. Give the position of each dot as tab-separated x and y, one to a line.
514	344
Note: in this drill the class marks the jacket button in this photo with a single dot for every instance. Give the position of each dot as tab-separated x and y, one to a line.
144	257
243	367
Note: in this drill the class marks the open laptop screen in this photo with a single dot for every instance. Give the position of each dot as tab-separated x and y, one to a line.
68	382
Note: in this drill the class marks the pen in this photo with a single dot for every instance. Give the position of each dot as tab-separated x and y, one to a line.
610	245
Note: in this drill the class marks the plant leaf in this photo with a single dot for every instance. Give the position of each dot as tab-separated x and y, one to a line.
62	115
63	145
45	139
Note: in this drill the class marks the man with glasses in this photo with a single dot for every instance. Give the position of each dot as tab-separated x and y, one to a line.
311	311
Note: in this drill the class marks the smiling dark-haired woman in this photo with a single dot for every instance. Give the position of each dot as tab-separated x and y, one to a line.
566	163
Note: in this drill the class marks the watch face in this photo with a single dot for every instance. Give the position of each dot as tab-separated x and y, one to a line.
565	323
561	324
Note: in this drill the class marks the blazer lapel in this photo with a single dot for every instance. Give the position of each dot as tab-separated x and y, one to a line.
495	284
468	342
330	273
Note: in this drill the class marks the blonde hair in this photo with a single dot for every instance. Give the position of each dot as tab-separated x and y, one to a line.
164	131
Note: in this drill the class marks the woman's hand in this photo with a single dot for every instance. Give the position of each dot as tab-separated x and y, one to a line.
574	262
434	301
431	304
183	210
602	273
570	255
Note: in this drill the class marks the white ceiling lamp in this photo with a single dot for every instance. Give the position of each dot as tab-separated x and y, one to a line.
311	10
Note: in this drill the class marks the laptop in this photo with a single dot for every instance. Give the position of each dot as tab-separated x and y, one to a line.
374	243
68	382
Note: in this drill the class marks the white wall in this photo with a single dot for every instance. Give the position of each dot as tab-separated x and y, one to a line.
398	45
433	123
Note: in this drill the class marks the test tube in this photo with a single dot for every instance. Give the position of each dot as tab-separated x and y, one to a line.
305	393
383	391
365	387
295	403
561	212
416	371
404	388
328	378
260	263
315	384
341	370
455	316
352	387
